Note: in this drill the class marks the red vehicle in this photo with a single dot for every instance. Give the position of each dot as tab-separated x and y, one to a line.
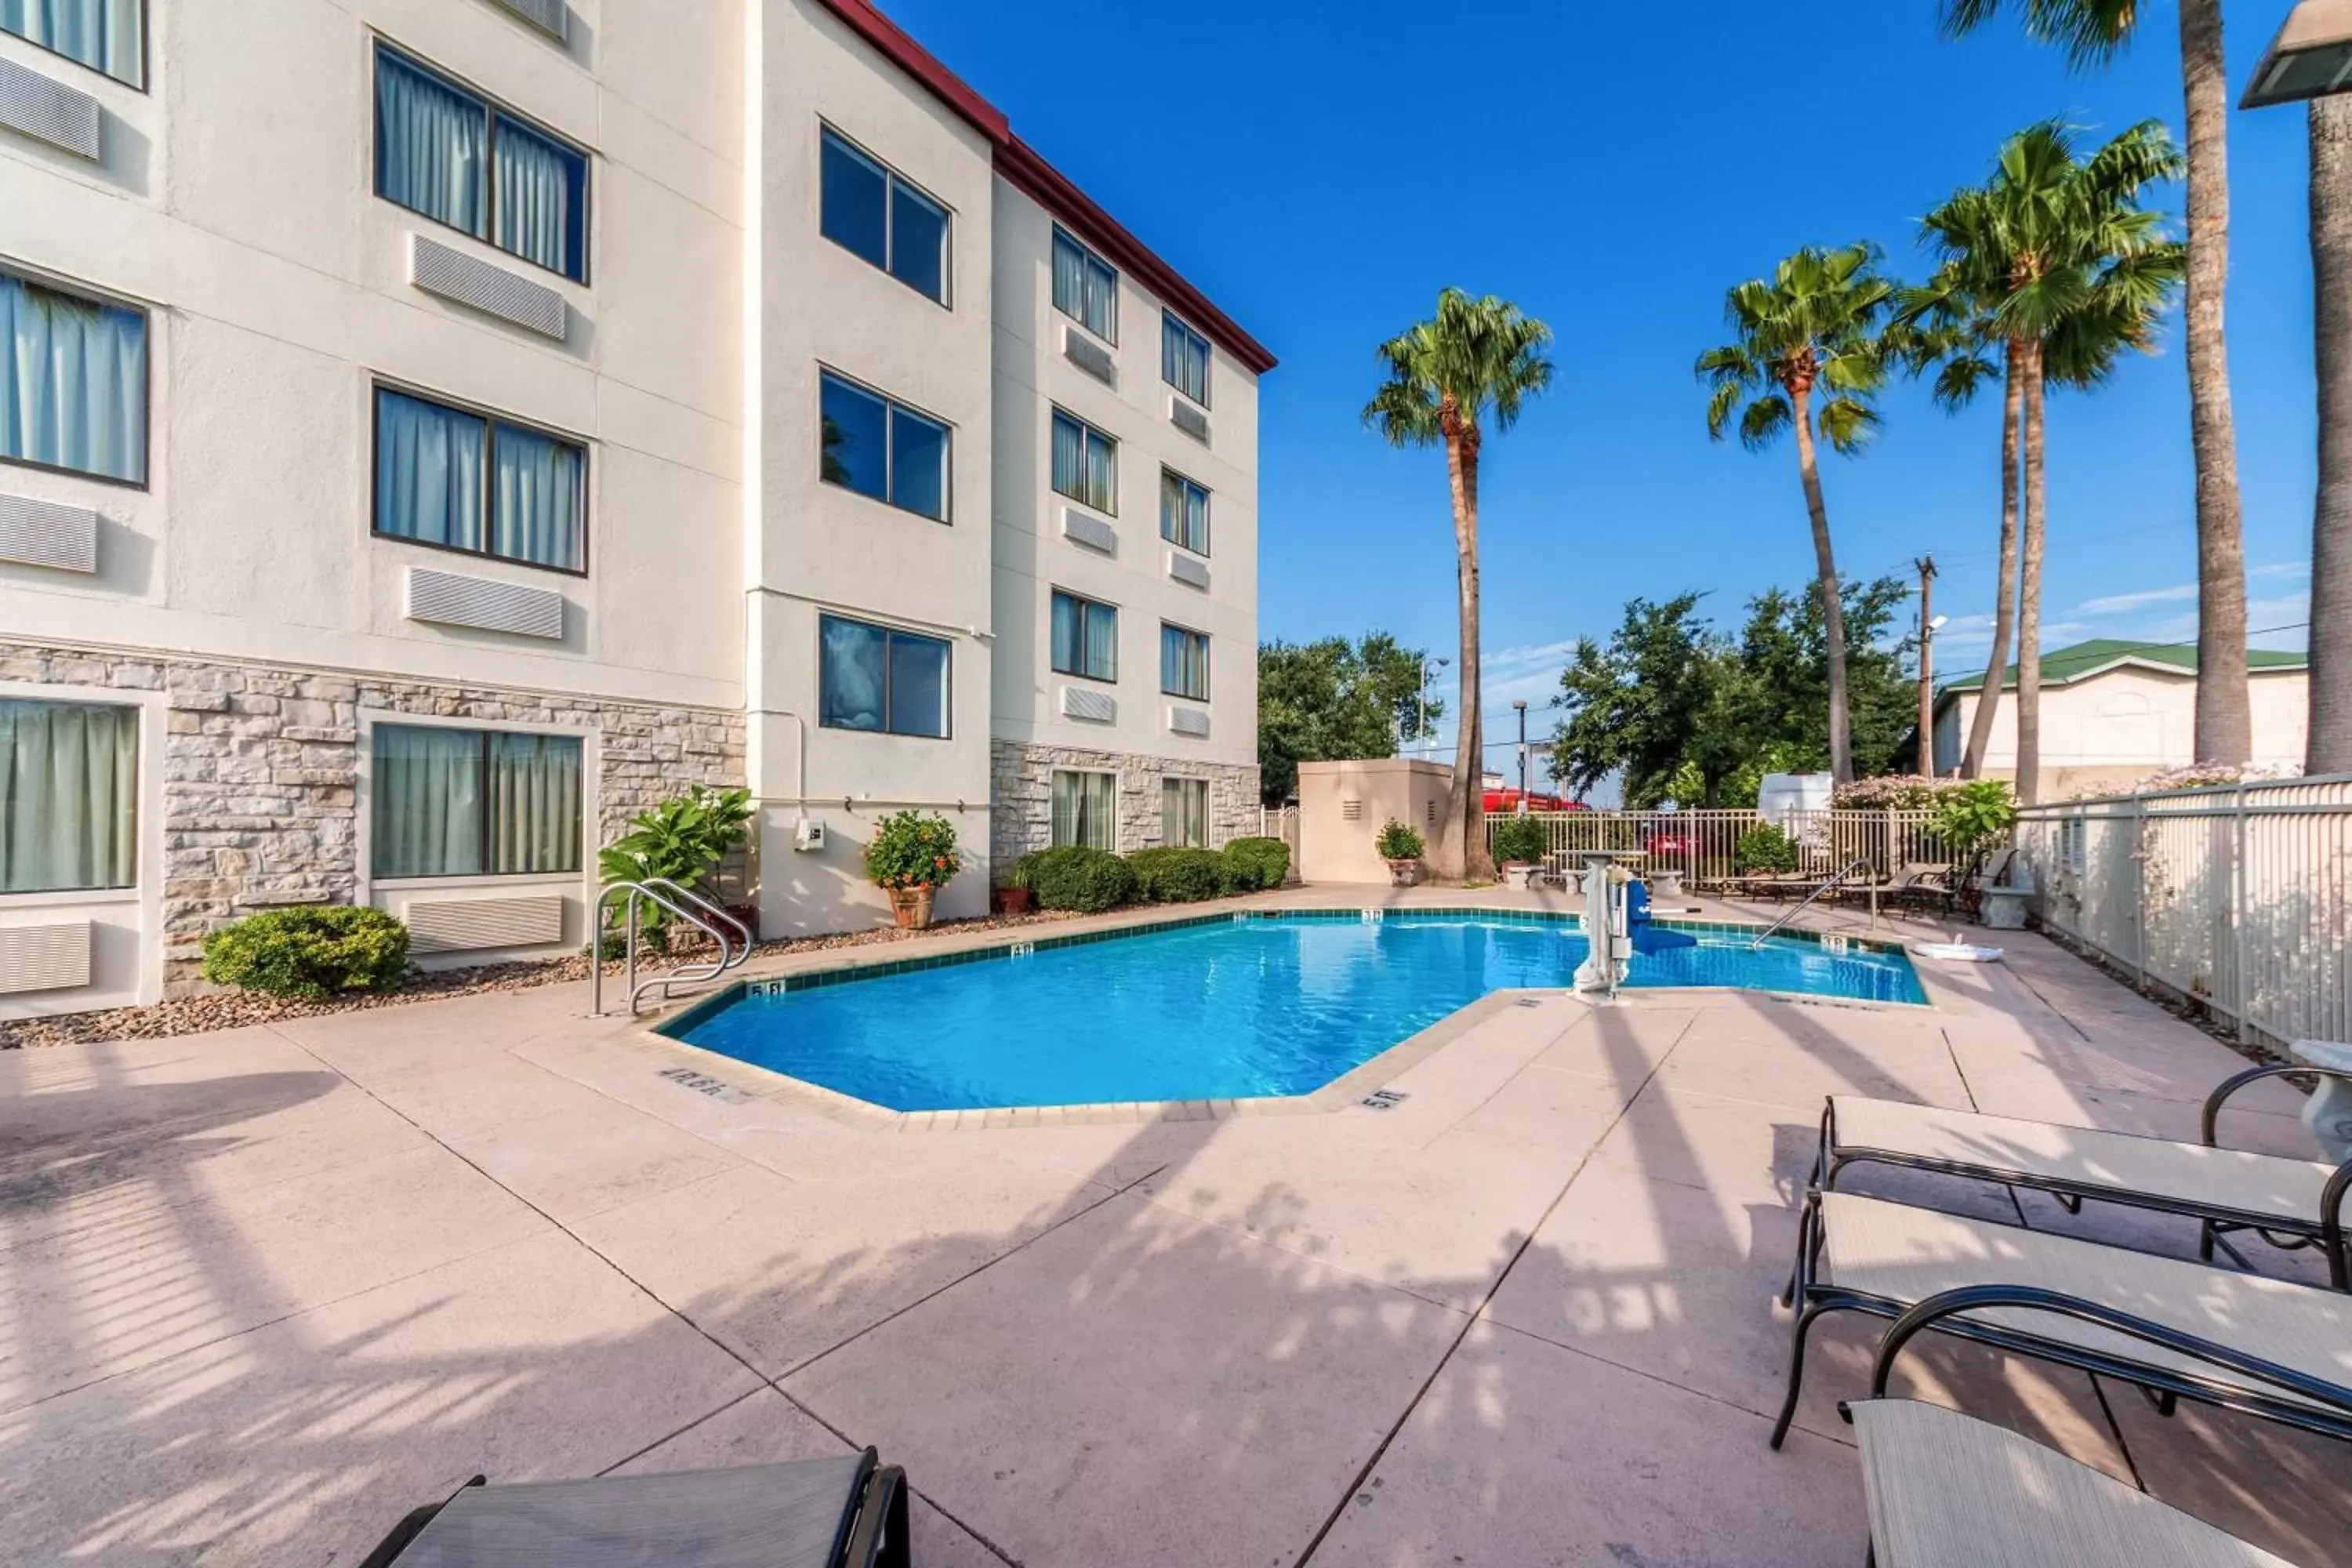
1506	803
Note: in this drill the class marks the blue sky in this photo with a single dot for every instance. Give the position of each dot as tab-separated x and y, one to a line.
1320	171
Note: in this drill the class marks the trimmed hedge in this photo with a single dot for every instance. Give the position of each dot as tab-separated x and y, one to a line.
1257	863
1521	840
313	954
1078	877
1174	875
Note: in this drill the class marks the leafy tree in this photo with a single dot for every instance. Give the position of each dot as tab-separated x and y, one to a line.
1784	650
1332	698
2093	32
1475	363
1812	330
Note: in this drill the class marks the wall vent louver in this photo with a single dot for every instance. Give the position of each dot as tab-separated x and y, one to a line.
49	534
448	599
442	269
1091	532
44	957
477	925
1189	570
1187	419
553	18
50	111
1093	707
1089	356
1351	811
1188	722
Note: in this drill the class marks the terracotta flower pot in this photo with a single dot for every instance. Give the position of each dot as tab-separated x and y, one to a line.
1012	900
911	906
1404	873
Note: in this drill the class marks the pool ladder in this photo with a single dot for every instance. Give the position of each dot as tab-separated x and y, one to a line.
1863	861
734	937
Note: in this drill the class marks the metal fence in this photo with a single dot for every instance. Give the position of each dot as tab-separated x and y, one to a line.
1706	847
2235	897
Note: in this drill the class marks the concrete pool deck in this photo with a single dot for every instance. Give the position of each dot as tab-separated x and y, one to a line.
261	1292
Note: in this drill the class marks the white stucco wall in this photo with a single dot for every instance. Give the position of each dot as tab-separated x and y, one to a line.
2125	723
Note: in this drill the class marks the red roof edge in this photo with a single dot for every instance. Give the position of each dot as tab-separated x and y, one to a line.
1027	169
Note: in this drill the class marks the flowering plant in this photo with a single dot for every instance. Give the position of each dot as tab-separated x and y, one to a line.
912	850
1891	791
2196	776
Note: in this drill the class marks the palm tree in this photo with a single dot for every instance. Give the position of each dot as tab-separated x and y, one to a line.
2092	32
2056	258
1475	363
2329	748
1812	328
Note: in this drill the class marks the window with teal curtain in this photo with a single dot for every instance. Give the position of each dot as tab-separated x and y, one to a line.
466	481
1085	809
445	153
1085	288
68	797
1184	663
1086	463
1084	637
1183	359
537	483
466	803
1184	813
73	382
105	34
1183	512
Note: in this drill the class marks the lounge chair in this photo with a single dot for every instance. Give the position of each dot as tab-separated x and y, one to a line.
1921	882
2292	1204
1856	1254
845	1512
1947	1490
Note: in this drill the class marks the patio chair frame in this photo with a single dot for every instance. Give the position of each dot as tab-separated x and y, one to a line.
1814	1297
2328	1232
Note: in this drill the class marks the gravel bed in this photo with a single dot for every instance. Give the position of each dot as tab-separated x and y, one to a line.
237	1009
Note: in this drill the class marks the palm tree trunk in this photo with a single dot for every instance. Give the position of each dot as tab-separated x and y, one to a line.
1832	602
1462	837
2329	748
2224	718
2004	603
2029	593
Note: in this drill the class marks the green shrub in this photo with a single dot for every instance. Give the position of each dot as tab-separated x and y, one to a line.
314	954
1765	848
910	850
682	839
1180	875
1078	877
1520	839
1398	842
1256	863
1975	817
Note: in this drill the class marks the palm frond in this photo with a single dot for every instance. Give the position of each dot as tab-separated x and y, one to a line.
1847	424
2092	32
1762	425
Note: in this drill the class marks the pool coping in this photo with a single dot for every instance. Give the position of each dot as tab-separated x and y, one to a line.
1353	1087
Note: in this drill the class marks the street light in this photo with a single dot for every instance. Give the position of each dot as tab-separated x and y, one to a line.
1420	724
2311	56
1522	707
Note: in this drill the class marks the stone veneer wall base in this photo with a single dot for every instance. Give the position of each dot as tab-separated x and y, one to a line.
1021	796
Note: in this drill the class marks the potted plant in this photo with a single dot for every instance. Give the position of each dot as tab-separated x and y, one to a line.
1012	896
1401	847
910	858
1520	844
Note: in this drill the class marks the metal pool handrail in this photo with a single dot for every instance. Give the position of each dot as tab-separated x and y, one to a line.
637	895
1774	929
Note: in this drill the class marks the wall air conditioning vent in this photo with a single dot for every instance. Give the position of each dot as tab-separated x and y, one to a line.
553	18
1089	356
49	111
44	957
1189	570
1187	419
1093	707
1351	811
1188	722
477	925
1093	532
469	280
448	599
49	534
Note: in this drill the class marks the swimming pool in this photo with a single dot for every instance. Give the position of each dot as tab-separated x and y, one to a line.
1215	1009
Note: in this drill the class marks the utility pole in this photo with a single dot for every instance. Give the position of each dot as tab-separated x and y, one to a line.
1420	724
1927	623
1522	708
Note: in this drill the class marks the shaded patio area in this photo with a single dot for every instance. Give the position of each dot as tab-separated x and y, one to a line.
262	1292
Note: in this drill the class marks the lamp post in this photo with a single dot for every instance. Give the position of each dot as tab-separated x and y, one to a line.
1928	622
1520	707
1421	721
2311	56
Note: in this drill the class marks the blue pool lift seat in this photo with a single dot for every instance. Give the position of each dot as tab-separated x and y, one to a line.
1648	937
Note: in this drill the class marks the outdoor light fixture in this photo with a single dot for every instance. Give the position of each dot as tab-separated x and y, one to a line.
2311	56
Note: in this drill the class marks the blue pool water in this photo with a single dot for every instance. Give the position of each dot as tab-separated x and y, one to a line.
1227	1009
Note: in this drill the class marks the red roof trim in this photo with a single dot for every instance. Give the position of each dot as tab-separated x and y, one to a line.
1027	169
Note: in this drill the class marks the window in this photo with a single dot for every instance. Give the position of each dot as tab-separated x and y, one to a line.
880	678
474	803
1085	288
866	208
73	380
1184	813
1085	637
1183	662
879	447
469	481
1183	512
1183	359
448	153
68	797
104	34
1086	463
1085	809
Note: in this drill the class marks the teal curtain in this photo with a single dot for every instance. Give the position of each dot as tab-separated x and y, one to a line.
1083	809
68	797
432	146
1084	288
537	486
534	802
1184	812
73	384
1184	359
428	471
1085	637
1069	456
541	200
427	788
1184	663
1183	512
1086	463
103	34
